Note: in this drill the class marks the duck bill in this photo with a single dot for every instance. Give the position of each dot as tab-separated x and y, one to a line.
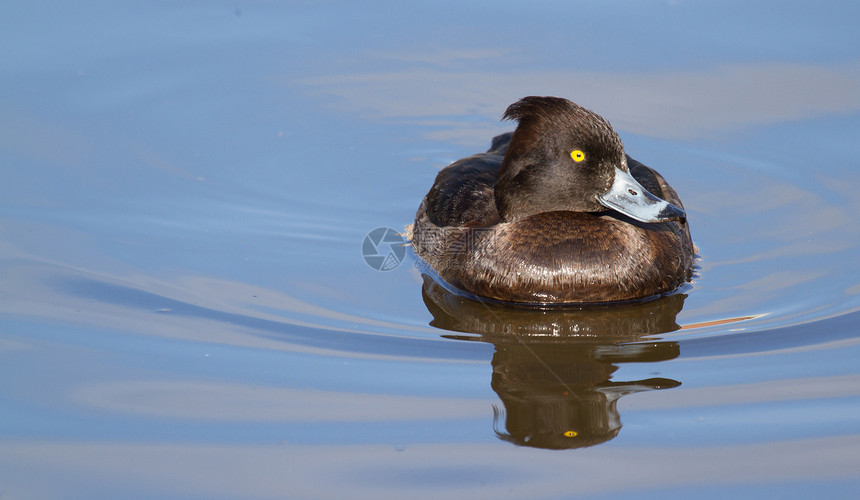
627	196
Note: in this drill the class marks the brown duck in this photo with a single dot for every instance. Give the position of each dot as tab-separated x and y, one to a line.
554	213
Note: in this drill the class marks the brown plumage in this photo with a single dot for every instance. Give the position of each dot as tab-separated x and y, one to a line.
526	223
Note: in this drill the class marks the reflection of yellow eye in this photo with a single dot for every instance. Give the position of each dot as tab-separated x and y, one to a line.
577	155
571	434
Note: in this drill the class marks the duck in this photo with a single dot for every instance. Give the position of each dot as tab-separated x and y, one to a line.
554	212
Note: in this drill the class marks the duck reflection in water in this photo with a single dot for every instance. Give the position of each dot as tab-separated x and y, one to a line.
553	368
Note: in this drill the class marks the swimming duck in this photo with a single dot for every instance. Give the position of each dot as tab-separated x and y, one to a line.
554	213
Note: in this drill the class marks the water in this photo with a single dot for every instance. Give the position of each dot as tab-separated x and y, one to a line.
186	312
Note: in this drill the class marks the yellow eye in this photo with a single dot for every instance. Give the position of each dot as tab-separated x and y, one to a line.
570	434
577	155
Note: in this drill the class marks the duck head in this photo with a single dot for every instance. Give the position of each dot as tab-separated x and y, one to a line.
563	157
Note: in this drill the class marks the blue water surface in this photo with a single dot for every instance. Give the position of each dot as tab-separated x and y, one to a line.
185	311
